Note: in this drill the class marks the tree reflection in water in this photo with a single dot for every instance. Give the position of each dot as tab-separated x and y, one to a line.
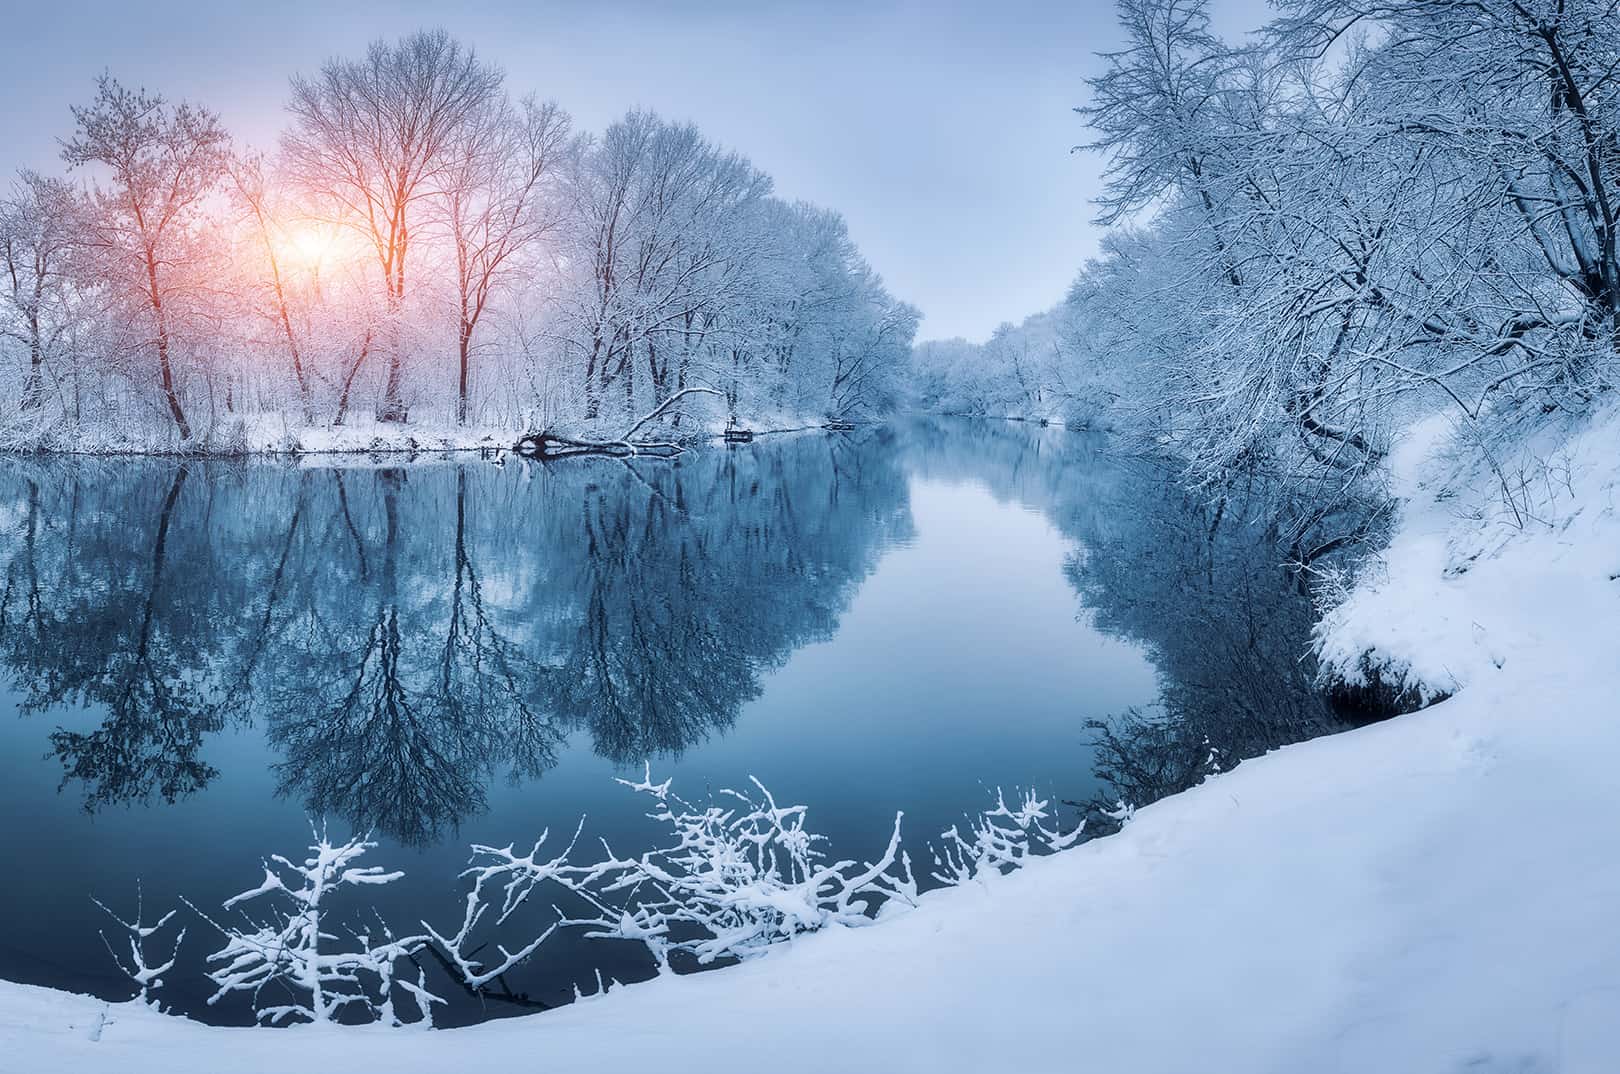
1190	575
90	617
404	635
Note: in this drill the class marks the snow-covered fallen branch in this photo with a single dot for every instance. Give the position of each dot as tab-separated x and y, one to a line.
737	880
137	965
517	876
1001	839
547	445
294	948
740	874
734	881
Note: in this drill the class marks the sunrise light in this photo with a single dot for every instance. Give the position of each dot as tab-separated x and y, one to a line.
310	245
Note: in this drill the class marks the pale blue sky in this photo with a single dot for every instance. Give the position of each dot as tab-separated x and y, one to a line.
941	131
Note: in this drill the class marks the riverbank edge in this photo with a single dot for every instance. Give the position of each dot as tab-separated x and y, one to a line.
384	450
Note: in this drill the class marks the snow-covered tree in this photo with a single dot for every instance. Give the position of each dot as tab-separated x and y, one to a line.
374	138
40	231
1366	209
147	235
498	198
421	238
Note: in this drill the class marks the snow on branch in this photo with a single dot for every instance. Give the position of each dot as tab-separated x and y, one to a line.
138	964
517	876
738	875
736	880
293	946
1001	839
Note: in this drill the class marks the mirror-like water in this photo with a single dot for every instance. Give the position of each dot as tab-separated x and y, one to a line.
199	657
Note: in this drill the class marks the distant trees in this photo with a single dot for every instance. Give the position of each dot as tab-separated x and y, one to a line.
421	238
1022	371
40	220
498	201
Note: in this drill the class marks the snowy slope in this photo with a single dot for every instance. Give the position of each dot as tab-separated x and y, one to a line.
1433	894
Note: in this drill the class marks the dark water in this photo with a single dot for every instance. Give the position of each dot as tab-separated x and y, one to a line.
201	657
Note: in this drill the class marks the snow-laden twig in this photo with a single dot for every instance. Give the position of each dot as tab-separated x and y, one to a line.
736	880
518	876
1001	839
1122	812
294	947
137	966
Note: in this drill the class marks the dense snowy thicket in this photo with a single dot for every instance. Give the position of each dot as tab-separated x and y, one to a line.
426	250
1364	210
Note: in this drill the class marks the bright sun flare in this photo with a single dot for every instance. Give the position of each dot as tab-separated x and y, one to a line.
309	244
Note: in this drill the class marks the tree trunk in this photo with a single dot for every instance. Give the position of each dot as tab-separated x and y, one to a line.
393	404
461	397
593	399
165	369
33	393
348	381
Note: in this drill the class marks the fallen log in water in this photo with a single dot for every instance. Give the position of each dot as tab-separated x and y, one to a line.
546	445
552	446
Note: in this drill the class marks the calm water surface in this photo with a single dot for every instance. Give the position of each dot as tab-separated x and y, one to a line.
200	658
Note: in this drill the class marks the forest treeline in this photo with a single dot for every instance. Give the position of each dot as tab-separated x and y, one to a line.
424	247
1362	210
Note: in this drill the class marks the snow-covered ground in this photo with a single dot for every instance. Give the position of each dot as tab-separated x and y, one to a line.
1438	893
282	434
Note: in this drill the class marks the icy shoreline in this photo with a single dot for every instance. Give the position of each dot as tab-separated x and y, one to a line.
1434	893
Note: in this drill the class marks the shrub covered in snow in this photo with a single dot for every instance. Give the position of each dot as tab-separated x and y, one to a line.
737	880
1000	839
293	946
517	876
738	875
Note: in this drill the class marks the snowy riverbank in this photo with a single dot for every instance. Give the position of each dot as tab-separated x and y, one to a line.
1434	893
273	436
